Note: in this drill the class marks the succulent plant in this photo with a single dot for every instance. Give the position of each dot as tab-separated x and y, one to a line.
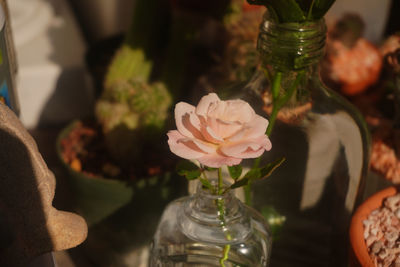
132	112
133	108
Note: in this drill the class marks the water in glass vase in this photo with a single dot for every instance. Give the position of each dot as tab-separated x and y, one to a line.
190	234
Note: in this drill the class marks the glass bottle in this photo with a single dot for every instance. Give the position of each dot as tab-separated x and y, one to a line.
194	232
323	138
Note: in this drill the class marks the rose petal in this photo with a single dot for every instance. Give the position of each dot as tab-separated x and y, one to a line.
183	149
231	111
210	135
204	104
254	129
247	148
236	149
224	129
186	120
207	147
217	161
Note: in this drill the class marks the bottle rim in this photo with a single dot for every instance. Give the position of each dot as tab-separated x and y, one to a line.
291	45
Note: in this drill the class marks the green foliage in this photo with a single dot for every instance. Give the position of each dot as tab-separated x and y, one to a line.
319	8
206	184
295	10
242	182
188	169
268	169
258	173
235	171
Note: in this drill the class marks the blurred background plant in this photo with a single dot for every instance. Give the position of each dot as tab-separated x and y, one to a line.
164	60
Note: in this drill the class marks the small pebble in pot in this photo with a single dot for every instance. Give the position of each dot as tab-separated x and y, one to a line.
376	247
382	233
397	213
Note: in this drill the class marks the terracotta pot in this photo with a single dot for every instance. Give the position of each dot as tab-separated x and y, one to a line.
359	254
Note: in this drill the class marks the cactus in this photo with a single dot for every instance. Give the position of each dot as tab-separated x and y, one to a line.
132	108
132	112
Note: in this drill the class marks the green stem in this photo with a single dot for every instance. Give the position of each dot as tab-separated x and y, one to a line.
272	119
277	104
225	255
276	85
291	90
309	15
275	88
221	215
220	181
247	192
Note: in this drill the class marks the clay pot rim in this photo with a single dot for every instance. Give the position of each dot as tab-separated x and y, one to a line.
356	231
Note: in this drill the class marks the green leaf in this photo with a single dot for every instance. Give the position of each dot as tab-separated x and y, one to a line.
206	183
242	182
295	10
319	8
268	169
235	171
253	174
263	172
188	169
286	10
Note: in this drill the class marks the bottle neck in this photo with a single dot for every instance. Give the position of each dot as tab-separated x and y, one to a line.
291	46
290	55
205	204
210	217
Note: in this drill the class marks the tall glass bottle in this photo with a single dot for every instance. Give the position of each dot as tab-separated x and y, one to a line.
323	138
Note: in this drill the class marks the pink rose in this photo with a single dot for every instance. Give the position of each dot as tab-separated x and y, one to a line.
218	133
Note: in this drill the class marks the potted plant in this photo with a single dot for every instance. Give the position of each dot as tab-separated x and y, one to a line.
369	231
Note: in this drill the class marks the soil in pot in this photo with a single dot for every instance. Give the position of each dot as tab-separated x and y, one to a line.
84	150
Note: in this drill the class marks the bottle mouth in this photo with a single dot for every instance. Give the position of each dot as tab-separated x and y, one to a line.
293	45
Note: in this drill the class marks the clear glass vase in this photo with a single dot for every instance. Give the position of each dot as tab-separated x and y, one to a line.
322	136
207	229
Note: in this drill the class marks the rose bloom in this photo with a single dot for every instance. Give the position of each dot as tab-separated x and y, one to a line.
218	133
